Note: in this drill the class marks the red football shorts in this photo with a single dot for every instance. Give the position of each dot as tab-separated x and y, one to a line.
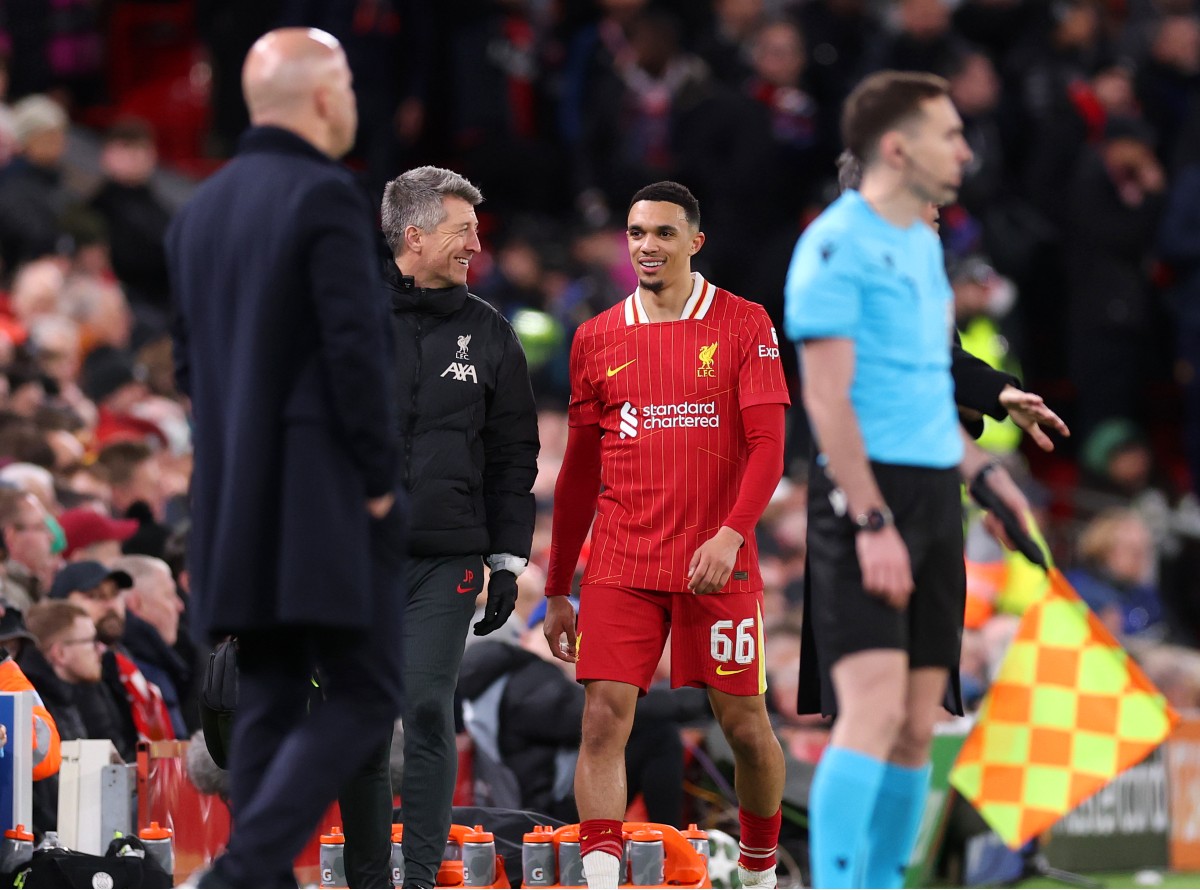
716	639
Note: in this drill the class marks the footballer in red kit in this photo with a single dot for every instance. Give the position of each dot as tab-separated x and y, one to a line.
668	398
675	446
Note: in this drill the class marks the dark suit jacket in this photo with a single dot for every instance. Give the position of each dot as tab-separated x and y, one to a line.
282	343
977	386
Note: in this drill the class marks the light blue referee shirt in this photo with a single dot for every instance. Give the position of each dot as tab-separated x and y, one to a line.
856	276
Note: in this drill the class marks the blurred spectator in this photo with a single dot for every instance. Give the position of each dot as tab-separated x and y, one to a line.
100	592
112	380
653	112
390	49
136	218
34	479
66	654
726	45
93	536
28	563
132	471
1113	208
501	106
37	289
152	629
923	40
32	196
101	311
1169	78
844	42
21	441
802	157
1116	571
1179	245
64	668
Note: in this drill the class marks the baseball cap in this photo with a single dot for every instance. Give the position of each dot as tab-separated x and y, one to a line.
85	576
84	527
12	626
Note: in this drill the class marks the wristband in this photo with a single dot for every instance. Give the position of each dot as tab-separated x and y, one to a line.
506	562
981	475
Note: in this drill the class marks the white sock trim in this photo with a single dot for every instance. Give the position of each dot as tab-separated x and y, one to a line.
602	870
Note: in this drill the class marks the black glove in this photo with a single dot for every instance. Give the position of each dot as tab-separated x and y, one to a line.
501	600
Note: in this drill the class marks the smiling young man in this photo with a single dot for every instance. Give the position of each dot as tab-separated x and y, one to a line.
470	443
677	406
867	296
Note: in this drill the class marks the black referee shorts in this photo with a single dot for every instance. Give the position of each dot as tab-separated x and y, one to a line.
841	618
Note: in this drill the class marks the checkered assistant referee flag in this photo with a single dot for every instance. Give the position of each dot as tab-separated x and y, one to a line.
1068	711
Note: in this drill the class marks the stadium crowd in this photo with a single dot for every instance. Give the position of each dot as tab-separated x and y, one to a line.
1074	252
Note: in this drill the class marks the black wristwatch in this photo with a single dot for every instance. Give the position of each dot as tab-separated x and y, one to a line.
874	520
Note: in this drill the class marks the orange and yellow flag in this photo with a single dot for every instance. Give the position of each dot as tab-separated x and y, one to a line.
1068	711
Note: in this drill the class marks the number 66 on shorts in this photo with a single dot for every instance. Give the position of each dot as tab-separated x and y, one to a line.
716	641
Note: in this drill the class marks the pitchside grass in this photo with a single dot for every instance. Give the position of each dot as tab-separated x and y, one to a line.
1126	879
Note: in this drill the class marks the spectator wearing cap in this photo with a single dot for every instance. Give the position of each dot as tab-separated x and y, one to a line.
100	592
64	667
27	541
133	472
153	608
91	535
32	196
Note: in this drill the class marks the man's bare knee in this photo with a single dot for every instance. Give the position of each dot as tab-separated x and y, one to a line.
913	742
749	733
607	719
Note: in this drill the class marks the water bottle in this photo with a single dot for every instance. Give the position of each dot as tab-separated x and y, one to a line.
333	858
479	858
16	850
453	852
623	866
160	846
397	855
698	838
537	858
570	862
647	858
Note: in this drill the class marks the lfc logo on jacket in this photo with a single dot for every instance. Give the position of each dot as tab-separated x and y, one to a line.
461	368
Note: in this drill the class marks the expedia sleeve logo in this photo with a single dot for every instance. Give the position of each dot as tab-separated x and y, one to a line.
680	415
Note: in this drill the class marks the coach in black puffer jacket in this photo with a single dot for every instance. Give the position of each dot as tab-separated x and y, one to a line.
467	421
468	425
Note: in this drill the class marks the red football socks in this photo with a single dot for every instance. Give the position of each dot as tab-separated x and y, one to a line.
602	835
760	838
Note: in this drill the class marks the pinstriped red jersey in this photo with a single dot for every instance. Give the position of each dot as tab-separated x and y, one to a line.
668	398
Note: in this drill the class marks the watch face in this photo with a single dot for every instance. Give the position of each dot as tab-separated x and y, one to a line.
871	521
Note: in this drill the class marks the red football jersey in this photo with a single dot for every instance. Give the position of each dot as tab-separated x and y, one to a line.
668	397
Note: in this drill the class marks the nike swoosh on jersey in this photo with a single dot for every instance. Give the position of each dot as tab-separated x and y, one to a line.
461	589
721	672
619	368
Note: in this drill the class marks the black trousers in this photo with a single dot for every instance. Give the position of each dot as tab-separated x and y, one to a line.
437	617
287	762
